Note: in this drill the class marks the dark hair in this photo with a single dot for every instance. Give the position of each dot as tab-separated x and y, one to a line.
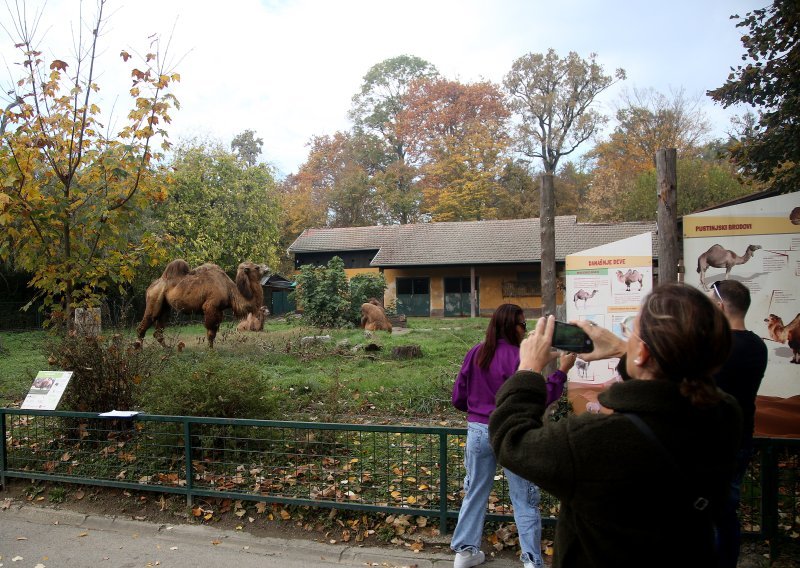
503	325
735	296
688	337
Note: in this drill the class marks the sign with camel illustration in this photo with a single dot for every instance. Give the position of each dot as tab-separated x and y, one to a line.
606	285
46	390
758	244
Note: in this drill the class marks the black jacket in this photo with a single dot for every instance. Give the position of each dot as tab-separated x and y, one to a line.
623	502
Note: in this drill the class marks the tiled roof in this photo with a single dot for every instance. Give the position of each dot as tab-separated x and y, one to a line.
472	242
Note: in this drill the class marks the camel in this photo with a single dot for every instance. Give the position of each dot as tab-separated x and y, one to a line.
629	278
786	334
719	257
583	295
254	321
373	318
207	290
582	367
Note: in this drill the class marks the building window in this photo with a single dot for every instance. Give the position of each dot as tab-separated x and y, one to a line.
527	284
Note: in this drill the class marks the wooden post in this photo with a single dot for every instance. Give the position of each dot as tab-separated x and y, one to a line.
667	191
473	295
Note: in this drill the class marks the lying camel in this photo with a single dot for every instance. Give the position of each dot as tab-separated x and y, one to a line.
373	318
254	321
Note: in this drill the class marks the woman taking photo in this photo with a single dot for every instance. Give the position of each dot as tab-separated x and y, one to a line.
486	367
638	487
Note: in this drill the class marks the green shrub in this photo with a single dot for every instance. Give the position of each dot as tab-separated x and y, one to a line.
324	294
104	370
207	384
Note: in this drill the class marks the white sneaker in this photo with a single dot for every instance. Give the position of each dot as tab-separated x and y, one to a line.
528	565
467	558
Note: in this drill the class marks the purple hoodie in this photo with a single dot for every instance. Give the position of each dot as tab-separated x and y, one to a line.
475	388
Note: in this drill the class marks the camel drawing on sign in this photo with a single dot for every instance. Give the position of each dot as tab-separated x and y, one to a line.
786	333
629	278
583	295
582	367
719	257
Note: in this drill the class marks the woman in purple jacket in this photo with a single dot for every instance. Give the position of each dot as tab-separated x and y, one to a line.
486	367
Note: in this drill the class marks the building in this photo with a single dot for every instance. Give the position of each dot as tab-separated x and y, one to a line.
429	267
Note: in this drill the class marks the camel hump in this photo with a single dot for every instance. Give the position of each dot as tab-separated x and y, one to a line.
176	269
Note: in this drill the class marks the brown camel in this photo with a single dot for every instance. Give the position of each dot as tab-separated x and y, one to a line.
254	322
373	317
786	333
583	295
207	290
719	257
629	278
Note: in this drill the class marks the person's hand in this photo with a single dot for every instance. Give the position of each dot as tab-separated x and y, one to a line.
606	344
566	360
536	350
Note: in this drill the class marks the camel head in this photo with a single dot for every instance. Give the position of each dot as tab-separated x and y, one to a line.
248	280
753	248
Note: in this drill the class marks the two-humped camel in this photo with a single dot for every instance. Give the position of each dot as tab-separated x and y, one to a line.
786	333
719	257
583	295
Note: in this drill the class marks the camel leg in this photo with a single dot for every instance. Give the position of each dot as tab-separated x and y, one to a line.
212	320
703	279
727	271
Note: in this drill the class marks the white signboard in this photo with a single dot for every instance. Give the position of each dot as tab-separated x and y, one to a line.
758	244
606	285
46	390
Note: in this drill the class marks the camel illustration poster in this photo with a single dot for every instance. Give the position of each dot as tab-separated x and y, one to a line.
606	285
758	244
46	390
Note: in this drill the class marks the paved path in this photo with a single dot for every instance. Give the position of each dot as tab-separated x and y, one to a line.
48	538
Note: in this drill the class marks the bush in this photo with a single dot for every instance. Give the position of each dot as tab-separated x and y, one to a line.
104	370
324	294
205	384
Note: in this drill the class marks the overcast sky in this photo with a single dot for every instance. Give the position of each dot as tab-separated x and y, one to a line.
288	69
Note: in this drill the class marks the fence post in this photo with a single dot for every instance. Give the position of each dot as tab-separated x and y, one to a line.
187	450
3	449
443	482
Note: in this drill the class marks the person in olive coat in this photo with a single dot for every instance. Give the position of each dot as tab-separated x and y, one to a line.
638	487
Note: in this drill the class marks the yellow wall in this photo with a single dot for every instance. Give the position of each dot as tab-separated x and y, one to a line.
350	272
490	286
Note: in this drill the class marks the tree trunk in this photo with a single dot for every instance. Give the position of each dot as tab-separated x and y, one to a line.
548	241
667	179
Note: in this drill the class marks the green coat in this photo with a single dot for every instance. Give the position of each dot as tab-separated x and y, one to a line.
622	502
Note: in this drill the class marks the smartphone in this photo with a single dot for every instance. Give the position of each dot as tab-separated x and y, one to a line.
568	337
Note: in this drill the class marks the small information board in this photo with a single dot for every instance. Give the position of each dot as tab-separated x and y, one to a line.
46	390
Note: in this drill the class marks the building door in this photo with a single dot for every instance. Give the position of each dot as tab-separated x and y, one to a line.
414	296
456	297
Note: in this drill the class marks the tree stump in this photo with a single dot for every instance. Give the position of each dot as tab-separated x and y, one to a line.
398	320
407	352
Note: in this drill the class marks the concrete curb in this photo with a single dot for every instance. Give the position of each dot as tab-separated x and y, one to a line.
309	551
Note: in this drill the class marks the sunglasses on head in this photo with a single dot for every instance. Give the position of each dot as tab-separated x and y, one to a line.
716	291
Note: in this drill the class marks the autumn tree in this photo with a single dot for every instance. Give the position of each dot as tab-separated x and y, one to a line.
770	82
374	111
302	205
519	197
247	147
456	136
220	209
71	192
552	98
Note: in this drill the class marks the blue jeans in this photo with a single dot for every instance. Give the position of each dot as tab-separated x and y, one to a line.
481	466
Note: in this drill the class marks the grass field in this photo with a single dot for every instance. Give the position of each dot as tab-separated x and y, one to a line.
327	380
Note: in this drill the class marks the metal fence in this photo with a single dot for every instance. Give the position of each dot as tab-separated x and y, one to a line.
392	469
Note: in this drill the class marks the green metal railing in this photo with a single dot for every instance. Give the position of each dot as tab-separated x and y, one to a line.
393	469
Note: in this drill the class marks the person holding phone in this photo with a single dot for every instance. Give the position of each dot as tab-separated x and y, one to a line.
486	367
639	486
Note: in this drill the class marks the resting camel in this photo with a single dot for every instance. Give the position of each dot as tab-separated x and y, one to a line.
254	321
583	295
207	290
373	318
718	257
786	333
629	278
